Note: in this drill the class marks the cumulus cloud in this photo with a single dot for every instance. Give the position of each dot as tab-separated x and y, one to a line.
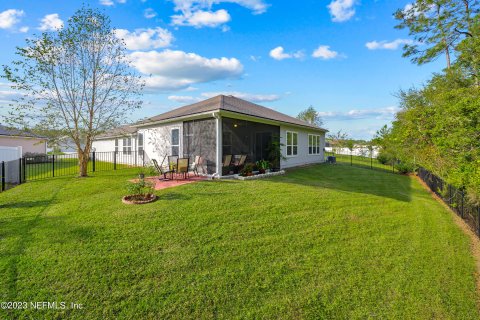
184	99
324	52
199	13
144	39
279	53
9	18
341	10
149	13
51	22
386	113
388	45
109	3
175	70
242	95
199	19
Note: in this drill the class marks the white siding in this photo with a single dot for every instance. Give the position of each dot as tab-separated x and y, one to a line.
157	140
302	157
28	144
105	145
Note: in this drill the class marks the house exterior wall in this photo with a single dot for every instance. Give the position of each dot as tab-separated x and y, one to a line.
157	140
28	144
303	157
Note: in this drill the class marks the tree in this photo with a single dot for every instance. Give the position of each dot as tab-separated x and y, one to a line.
337	139
75	80
311	116
436	26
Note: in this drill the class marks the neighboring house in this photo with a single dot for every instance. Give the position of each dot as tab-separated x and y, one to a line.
358	150
29	142
216	127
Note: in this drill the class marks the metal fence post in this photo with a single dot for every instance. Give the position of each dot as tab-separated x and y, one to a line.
393	165
24	169
115	160
463	196
20	171
3	175
371	160
351	158
478	220
93	161
53	165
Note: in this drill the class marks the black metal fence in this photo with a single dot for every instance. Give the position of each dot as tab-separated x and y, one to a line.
363	161
454	197
48	166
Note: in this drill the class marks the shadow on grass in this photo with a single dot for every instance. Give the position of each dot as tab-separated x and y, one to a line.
351	179
25	204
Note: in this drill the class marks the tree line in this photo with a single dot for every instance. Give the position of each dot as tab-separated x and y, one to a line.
438	126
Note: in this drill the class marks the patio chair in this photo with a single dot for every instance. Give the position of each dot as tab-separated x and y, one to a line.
160	170
239	162
198	162
182	167
227	161
172	162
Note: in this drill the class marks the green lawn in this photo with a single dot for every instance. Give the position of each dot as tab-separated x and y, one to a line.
325	242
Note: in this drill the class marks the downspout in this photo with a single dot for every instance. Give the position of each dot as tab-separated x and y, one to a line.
218	130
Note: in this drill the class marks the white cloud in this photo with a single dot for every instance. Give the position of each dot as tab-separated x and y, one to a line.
184	99
342	10
243	95
106	2
386	113
324	52
175	70
143	39
51	22
149	13
388	45
199	13
9	18
279	53
24	29
199	19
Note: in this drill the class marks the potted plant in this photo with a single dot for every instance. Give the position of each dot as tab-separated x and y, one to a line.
140	192
275	153
247	170
263	166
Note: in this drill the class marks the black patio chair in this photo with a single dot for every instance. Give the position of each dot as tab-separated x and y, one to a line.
161	171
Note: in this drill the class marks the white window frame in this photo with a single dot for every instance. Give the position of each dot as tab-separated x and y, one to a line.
127	145
140	146
292	145
171	141
314	142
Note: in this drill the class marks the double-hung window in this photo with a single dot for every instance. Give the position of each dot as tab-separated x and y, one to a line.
140	143
292	143
175	143
313	144
127	145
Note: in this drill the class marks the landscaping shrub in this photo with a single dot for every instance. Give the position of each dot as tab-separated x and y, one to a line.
405	167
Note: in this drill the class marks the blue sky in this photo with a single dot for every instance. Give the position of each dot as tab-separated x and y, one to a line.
343	57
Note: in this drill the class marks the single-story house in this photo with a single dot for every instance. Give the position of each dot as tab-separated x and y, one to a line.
29	142
219	126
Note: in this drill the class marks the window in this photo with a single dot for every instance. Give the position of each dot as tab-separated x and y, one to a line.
175	142
313	144
140	143
116	144
127	145
292	143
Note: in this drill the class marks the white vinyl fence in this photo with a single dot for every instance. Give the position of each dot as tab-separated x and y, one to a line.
10	153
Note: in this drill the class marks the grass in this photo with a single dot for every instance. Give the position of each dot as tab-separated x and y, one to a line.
359	161
324	242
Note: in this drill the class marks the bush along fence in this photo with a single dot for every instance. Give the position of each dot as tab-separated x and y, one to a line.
369	162
454	197
48	166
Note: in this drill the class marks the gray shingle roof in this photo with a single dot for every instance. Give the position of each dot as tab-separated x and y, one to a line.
121	131
232	104
4	131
